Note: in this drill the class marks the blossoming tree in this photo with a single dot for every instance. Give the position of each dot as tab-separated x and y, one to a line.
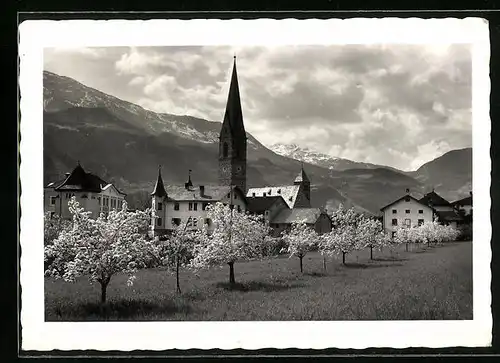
176	250
236	236
53	226
300	238
102	247
370	231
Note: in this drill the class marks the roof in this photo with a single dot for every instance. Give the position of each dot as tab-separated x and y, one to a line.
403	197
115	188
464	201
287	192
261	204
307	215
448	216
211	193
433	199
302	177
159	189
233	115
80	180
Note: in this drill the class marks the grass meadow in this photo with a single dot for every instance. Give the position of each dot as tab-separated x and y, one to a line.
425	283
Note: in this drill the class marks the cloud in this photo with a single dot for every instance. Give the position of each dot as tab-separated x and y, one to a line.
399	105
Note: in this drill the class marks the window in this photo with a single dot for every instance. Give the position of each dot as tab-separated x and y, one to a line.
253	194
176	221
394	211
52	200
176	206
393	234
158	222
113	203
190	206
420	211
207	221
420	222
99	200
195	222
160	206
407	222
195	206
204	206
407	211
394	222
224	150
407	199
52	214
235	196
239	208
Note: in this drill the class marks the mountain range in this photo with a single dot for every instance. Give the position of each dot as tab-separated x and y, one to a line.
124	144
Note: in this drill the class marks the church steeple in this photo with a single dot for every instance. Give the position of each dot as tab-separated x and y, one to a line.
159	189
233	116
232	139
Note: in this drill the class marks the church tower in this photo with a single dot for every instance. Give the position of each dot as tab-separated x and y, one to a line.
158	196
233	140
305	184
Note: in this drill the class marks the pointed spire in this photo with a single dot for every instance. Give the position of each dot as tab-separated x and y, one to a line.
189	183
302	177
233	115
159	189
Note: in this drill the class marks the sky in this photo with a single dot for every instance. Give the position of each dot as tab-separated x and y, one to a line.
389	104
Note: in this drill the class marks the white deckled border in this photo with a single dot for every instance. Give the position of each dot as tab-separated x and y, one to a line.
126	336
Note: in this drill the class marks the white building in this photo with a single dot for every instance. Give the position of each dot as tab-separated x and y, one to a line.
177	204
93	194
409	211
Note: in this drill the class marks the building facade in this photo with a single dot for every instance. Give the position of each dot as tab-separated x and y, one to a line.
406	211
91	192
409	211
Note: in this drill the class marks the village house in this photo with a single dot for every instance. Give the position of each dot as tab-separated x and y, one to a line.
93	194
410	211
187	205
464	205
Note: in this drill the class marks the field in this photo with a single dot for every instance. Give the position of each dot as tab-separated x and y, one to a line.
424	283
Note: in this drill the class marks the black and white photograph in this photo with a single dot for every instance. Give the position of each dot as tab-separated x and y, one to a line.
280	176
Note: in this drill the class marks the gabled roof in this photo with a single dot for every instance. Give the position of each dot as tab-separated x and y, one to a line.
403	197
287	192
115	188
233	115
433	199
261	204
448	216
159	189
212	193
463	201
305	215
302	177
79	180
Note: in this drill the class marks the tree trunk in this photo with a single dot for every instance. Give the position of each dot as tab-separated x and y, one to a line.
301	269
407	247
104	286
177	276
343	258
231	273
324	263
371	252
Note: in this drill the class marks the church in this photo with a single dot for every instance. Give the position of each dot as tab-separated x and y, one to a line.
280	205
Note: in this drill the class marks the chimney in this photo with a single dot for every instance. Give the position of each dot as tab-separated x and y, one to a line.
202	190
